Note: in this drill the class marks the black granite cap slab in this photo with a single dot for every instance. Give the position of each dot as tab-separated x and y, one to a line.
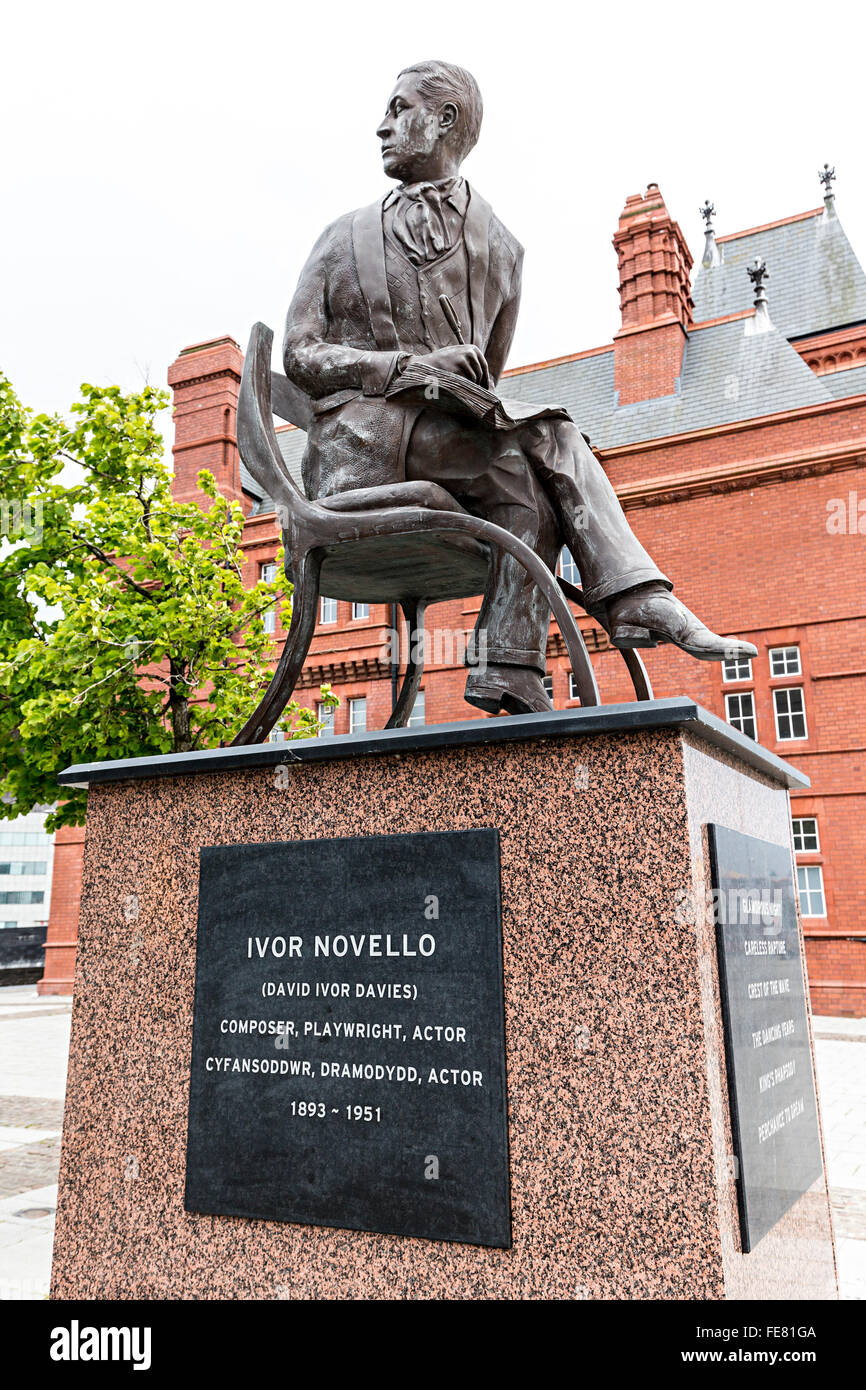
676	713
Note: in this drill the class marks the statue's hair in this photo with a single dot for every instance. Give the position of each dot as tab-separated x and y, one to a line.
440	82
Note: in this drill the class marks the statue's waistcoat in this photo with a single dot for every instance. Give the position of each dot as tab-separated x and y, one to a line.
414	292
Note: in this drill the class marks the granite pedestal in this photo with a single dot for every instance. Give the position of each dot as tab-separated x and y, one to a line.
622	1179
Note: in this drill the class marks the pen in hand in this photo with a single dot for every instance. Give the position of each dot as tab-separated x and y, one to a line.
454	324
453	321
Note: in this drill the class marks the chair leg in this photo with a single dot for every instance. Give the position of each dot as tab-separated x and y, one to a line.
414	615
639	677
304	611
638	672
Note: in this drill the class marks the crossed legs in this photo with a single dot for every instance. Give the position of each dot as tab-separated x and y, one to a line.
543	483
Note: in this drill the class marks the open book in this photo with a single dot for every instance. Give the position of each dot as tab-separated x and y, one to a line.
460	396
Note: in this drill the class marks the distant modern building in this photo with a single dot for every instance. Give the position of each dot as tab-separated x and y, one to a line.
730	414
26	858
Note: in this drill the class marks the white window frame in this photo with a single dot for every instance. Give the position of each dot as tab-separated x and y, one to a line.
573	693
782	652
805	889
737	661
566	566
419	708
268	573
326	607
325	715
741	695
354	705
801	821
787	714
357	616
547	682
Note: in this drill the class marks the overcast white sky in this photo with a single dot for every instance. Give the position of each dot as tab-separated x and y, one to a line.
167	166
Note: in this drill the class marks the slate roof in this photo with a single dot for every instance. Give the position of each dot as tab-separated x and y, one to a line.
726	376
815	281
815	284
842	384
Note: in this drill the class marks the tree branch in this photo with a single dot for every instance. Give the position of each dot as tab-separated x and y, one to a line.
107	560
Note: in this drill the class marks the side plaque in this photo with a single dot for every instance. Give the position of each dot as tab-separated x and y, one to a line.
774	1114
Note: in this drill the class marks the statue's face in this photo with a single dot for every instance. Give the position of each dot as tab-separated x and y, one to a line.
410	133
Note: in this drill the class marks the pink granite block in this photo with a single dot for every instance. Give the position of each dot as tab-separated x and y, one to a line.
620	1137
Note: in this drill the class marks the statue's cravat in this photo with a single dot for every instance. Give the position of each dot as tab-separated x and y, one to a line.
419	222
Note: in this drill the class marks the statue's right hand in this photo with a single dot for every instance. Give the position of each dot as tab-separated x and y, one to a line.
464	358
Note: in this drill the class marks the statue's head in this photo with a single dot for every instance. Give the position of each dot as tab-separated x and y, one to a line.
432	121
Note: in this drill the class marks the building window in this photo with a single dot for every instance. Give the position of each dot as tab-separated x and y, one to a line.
268	573
785	661
327	610
24	866
418	715
740	713
9	924
277	736
739	668
358	715
21	897
805	835
325	716
24	837
790	713
567	568
360	610
547	682
810	886
573	693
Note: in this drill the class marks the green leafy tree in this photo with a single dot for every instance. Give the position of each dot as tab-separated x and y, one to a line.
125	627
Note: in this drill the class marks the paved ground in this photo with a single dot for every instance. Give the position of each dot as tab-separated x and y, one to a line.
840	1061
34	1040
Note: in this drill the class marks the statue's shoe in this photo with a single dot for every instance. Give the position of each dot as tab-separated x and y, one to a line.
649	615
516	689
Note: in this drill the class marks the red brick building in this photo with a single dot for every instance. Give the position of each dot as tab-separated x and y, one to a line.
735	436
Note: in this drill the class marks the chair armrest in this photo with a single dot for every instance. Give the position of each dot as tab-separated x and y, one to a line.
418	494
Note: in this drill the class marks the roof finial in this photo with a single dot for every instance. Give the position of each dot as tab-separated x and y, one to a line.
758	273
827	175
711	250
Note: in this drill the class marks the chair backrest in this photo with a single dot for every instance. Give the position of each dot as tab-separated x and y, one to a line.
257	439
290	403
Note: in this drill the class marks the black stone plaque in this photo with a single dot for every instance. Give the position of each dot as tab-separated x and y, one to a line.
774	1115
348	1055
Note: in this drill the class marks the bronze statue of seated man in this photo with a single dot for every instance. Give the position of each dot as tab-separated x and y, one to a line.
429	277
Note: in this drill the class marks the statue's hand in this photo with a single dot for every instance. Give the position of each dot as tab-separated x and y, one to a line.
464	359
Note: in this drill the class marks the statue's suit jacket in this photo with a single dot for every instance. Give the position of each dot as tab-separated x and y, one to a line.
341	343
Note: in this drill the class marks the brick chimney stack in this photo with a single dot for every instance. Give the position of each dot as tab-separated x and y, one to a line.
205	380
656	301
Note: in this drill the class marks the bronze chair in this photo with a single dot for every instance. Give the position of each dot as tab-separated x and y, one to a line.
405	543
